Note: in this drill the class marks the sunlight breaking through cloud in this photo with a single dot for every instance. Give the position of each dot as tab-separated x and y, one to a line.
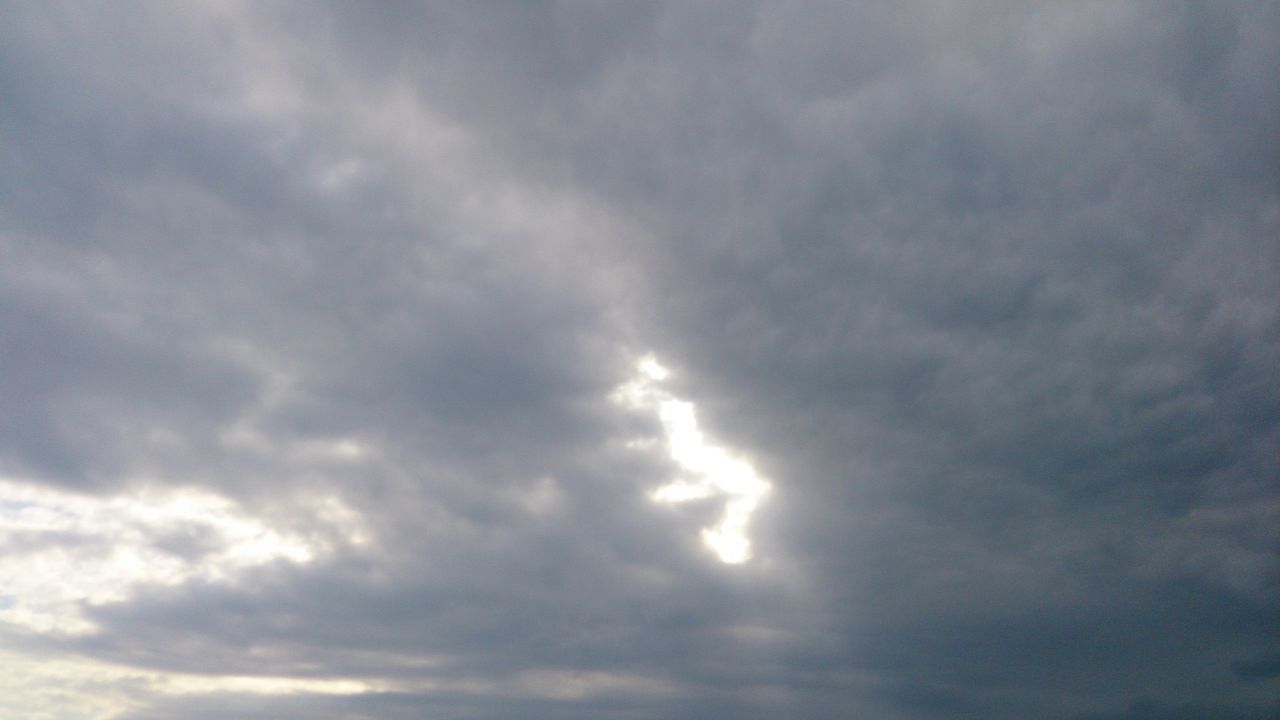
63	549
710	469
82	688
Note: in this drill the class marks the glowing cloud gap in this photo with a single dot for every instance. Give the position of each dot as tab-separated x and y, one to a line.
711	469
61	551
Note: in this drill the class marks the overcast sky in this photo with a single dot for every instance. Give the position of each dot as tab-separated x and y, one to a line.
891	361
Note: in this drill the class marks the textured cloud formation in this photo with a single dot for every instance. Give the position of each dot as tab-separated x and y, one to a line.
65	549
312	318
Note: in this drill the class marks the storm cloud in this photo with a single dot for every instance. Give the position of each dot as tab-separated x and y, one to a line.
317	324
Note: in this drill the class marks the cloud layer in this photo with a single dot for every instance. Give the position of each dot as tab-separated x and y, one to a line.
313	319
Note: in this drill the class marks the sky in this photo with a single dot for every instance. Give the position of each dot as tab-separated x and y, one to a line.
891	361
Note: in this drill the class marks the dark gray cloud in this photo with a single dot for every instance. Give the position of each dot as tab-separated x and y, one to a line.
1264	666
310	318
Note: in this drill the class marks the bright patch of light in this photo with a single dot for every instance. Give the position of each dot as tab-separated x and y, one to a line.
711	470
178	684
80	687
83	687
59	550
652	369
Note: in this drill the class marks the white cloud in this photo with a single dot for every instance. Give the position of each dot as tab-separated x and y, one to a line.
61	549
